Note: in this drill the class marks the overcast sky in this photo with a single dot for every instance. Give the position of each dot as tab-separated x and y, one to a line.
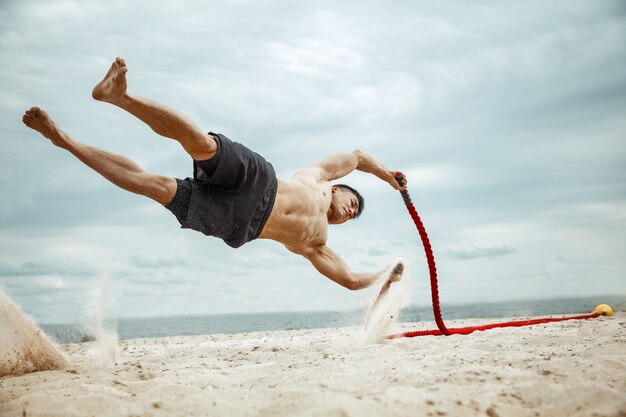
508	118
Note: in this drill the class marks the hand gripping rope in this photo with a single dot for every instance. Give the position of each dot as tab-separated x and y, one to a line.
602	309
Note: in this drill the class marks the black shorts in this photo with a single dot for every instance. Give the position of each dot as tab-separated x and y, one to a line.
230	195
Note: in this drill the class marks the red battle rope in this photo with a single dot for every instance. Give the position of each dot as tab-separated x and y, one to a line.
432	268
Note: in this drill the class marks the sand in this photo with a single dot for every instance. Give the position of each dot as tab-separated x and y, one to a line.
23	346
574	368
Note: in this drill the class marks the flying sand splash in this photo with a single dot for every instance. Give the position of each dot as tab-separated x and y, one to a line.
384	309
24	347
106	339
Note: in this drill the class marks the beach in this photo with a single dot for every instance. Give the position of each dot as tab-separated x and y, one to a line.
572	368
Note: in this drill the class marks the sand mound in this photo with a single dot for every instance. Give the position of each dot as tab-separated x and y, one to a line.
24	347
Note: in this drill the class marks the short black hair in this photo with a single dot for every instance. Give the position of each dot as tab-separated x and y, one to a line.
358	196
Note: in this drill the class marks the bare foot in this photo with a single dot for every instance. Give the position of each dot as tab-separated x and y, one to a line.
112	88
39	120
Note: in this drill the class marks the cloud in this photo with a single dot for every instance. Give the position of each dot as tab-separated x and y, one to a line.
35	268
476	252
376	252
141	261
432	176
507	119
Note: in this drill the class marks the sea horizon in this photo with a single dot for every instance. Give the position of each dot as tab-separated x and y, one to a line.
229	323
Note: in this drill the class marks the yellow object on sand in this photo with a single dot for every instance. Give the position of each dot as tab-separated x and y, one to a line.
604	309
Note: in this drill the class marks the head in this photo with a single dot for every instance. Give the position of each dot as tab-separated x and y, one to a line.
346	204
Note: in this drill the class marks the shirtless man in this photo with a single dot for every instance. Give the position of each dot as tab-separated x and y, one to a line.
234	193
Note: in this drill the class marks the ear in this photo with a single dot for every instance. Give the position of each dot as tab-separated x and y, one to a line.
335	188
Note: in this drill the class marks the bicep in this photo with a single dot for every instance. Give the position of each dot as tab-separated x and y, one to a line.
337	166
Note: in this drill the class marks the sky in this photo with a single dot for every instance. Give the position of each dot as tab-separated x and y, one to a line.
507	117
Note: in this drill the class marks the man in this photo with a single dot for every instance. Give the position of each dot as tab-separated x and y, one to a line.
234	193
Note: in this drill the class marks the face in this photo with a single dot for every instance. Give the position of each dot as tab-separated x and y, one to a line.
343	206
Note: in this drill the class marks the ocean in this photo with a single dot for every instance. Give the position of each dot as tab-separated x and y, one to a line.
133	328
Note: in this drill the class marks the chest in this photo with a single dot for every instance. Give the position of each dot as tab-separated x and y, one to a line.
301	214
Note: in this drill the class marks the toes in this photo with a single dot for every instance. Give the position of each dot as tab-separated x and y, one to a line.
35	113
27	120
121	66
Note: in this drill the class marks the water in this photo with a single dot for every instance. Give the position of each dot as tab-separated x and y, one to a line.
132	328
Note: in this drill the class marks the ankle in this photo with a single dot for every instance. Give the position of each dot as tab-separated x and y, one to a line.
124	100
63	140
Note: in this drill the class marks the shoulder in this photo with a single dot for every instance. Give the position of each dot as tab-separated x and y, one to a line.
313	178
311	173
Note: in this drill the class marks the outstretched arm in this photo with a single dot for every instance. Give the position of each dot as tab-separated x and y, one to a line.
329	264
341	164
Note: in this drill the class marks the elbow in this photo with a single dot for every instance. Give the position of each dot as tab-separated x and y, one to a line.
354	285
358	153
359	158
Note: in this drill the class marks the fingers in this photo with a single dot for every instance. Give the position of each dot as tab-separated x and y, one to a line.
400	179
396	272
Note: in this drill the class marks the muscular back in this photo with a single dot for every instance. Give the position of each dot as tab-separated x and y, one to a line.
298	219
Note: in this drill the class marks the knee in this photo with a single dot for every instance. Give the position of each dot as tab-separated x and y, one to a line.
160	188
201	146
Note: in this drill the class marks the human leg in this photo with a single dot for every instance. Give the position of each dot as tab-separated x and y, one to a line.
163	120
118	169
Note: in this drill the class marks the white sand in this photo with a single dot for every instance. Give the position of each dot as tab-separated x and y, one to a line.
575	368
